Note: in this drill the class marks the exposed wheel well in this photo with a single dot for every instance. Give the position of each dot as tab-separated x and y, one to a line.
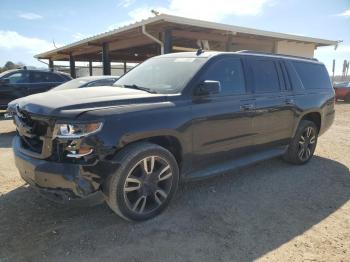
314	117
170	143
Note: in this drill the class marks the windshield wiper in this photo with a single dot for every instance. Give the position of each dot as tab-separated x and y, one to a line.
140	88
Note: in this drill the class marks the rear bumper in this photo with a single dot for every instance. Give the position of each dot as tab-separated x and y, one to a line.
60	182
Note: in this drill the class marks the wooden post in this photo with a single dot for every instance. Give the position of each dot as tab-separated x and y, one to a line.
168	42
228	44
125	67
90	68
105	59
51	65
72	66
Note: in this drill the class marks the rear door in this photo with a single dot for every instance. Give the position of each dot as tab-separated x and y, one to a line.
274	103
43	81
222	123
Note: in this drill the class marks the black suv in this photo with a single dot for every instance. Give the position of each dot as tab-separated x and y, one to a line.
174	117
22	82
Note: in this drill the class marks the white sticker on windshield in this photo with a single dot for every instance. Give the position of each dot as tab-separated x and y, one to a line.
184	60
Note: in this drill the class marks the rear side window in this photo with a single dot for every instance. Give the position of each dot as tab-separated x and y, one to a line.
313	76
43	77
265	76
51	77
229	72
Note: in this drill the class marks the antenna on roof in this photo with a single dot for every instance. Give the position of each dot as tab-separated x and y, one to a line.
54	44
199	51
155	12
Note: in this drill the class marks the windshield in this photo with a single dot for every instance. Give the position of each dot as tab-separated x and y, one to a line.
75	83
342	84
164	75
5	73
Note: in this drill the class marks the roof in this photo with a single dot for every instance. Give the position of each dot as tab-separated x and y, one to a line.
209	54
177	20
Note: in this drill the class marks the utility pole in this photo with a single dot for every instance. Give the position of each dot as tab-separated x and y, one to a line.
333	70
345	64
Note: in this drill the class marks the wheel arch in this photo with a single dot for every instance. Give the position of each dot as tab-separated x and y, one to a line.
168	140
314	117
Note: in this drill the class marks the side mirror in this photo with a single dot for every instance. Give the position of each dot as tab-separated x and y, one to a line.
208	87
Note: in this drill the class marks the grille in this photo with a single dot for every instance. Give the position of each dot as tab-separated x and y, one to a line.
32	132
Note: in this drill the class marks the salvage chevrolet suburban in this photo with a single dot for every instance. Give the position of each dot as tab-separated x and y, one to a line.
174	117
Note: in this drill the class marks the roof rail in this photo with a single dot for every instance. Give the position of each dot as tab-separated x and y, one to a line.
281	55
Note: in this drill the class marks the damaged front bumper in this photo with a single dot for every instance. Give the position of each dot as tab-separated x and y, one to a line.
59	181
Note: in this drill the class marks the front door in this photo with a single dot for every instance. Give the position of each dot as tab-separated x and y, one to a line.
222	123
14	87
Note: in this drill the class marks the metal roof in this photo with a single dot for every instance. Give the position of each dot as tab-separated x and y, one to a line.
196	23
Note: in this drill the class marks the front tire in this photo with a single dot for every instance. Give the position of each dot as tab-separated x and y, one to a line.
144	183
303	145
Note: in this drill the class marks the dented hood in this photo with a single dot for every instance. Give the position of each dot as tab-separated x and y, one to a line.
69	103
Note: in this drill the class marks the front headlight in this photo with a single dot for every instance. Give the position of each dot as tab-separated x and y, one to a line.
73	131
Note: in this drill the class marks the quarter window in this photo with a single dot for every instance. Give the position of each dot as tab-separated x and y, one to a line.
229	73
265	76
312	75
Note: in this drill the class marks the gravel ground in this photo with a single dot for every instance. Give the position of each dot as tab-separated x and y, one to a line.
271	211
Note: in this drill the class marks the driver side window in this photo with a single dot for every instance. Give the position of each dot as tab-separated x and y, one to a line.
229	72
18	78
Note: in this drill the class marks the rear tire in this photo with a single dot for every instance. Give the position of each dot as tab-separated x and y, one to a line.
303	145
144	183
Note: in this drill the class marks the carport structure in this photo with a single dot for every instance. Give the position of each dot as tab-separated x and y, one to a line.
164	33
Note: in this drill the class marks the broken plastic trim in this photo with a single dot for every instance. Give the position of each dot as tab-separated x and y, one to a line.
74	155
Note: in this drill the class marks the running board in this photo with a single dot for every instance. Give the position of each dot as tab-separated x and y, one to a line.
219	169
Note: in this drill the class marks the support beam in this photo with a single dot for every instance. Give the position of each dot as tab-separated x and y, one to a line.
168	42
72	66
105	59
51	65
228	43
117	45
125	68
90	68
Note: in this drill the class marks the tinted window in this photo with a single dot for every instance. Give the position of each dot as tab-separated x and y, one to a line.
36	77
265	76
229	73
43	77
18	78
51	77
312	75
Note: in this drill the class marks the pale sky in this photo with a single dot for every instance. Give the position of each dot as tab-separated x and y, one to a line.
31	27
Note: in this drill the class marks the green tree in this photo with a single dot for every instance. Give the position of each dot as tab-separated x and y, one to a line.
11	65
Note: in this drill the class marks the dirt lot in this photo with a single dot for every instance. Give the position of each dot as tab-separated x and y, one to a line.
271	211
